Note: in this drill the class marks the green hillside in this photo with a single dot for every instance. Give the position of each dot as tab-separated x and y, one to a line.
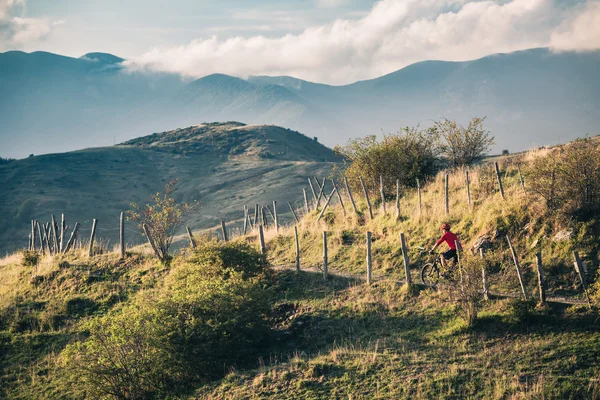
221	165
218	323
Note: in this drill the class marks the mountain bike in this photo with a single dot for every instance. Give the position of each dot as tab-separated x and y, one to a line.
433	271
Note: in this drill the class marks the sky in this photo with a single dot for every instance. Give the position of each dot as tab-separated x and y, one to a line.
328	41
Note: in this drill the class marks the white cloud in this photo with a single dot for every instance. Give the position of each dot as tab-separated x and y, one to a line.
331	3
393	34
17	31
581	32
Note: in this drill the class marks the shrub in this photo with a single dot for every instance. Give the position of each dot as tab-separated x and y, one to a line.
463	145
408	155
162	218
568	179
468	291
210	313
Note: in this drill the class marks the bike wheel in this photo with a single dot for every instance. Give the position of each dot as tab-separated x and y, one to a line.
430	275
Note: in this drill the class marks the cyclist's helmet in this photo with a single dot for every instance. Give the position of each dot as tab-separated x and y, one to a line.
445	227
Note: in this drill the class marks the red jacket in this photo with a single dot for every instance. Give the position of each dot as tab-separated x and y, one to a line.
450	239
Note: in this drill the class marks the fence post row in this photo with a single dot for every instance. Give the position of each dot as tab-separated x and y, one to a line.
321	192
312	189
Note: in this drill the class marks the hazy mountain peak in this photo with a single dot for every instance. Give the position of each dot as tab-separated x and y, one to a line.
104	58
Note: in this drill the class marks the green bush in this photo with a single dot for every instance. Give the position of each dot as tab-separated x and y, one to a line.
211	313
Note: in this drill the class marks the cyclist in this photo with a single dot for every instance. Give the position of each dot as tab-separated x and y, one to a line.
451	239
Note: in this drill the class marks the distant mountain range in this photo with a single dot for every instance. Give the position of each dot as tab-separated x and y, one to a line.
51	103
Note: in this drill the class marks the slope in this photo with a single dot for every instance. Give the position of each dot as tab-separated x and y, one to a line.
220	165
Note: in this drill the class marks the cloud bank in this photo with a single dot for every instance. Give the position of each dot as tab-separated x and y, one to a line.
393	34
17	31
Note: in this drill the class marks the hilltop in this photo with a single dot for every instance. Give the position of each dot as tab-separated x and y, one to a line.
221	165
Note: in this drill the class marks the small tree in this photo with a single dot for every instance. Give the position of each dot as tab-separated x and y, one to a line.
463	145
160	219
408	155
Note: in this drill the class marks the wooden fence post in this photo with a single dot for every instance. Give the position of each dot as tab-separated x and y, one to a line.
92	236
447	204
339	196
350	194
405	257
369	259
297	249
499	179
398	199
486	295
256	221
55	238
321	191
362	183
40	238
46	237
62	232
325	271
419	196
312	189
224	230
521	179
580	268
122	235
516	261
326	204
72	238
150	240
191	237
293	213
32	244
468	187
261	238
275	216
245	219
381	192
540	275
305	201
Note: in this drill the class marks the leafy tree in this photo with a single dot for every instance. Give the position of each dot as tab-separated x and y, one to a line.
568	179
408	155
463	145
161	218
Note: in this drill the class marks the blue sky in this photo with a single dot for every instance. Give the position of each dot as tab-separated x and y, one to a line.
331	41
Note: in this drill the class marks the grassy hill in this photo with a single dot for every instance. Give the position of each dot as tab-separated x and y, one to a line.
221	165
216	325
